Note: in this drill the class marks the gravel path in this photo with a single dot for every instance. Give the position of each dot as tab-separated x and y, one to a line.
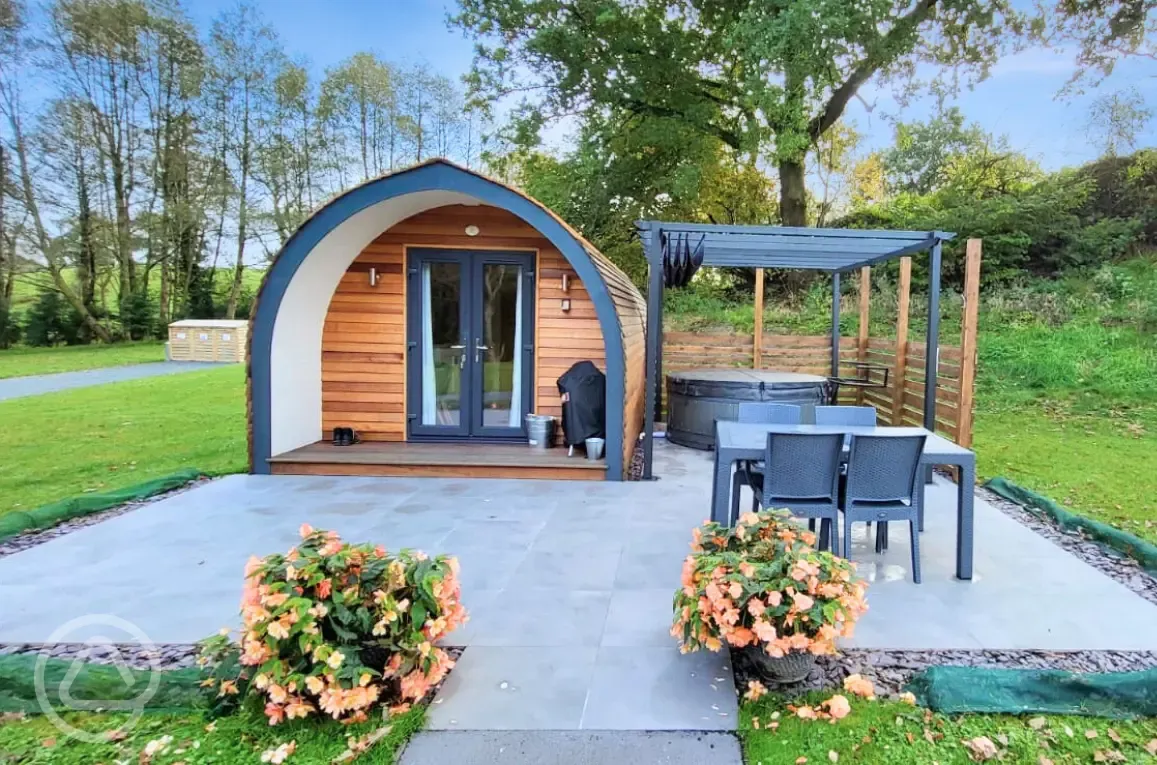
28	539
35	385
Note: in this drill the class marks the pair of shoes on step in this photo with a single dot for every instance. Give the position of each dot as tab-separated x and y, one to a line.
344	437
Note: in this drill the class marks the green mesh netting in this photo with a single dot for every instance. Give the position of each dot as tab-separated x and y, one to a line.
1145	553
1120	695
14	523
177	691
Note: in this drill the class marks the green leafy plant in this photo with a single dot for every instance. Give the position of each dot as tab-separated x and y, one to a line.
337	628
763	583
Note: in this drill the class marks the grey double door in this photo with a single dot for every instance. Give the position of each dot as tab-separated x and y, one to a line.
470	339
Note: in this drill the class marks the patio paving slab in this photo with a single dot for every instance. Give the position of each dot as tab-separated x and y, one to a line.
571	748
569	586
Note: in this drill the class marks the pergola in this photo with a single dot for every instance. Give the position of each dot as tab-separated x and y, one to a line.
832	250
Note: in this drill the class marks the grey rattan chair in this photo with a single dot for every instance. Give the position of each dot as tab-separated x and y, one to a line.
883	484
769	414
846	415
801	473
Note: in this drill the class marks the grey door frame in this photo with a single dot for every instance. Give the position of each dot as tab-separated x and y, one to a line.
471	265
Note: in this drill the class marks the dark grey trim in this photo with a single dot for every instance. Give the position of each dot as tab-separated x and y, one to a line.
835	324
932	340
654	352
436	176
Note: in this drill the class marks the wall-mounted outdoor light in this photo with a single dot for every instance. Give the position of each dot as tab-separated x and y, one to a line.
565	305
472	230
373	277
565	282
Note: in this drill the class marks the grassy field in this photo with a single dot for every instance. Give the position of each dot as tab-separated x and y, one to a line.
240	738
894	733
26	286
63	444
20	362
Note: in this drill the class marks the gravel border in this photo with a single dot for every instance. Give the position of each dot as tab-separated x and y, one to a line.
891	671
161	656
1116	565
30	539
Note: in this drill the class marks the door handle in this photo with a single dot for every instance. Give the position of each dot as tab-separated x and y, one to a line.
478	347
461	356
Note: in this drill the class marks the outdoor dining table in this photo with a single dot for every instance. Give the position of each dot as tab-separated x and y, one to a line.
736	441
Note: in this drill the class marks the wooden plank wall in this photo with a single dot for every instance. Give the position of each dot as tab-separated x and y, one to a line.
790	353
564	337
631	309
364	340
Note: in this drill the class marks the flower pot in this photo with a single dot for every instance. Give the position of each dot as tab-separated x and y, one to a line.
793	667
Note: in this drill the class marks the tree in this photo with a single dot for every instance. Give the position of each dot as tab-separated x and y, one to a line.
920	150
359	104
286	162
755	76
245	53
14	48
1105	31
1115	119
833	162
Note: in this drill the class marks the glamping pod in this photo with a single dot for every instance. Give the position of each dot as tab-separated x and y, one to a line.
429	311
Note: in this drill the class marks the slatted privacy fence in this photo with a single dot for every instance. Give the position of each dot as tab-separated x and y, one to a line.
902	402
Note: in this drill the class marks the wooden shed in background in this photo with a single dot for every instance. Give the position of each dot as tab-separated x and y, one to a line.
430	310
207	340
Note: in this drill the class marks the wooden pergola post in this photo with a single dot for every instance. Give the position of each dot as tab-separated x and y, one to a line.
901	370
862	338
757	335
968	329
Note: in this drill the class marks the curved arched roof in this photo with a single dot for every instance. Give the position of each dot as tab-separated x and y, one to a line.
286	323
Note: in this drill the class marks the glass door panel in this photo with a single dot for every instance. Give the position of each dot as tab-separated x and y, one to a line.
442	374
498	346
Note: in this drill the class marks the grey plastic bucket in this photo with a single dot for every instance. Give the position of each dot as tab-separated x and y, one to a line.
595	448
540	431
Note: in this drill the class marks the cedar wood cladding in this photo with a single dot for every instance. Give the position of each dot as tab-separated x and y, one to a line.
364	339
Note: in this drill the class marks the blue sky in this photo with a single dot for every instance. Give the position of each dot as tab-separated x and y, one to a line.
1018	100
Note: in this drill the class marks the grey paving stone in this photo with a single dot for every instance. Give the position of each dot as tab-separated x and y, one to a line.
574	569
639	618
572	748
515	689
660	689
541	617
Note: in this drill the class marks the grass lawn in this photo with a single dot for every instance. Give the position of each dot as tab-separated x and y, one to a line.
240	738
894	733
1099	465
20	362
108	436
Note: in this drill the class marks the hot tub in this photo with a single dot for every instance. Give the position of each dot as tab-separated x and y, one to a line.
697	398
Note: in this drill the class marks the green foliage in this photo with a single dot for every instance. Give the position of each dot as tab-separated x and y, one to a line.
895	733
915	162
237	738
138	316
9	326
51	321
759	77
338	628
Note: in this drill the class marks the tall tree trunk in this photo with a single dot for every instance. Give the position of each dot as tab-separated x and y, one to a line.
87	270
792	193
43	240
242	214
5	262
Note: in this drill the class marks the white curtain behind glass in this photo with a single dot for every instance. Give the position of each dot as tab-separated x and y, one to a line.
516	381
429	386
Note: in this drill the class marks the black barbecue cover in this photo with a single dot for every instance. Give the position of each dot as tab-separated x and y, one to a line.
584	413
